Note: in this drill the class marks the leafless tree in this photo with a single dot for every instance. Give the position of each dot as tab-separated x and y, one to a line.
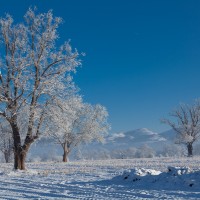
34	70
186	124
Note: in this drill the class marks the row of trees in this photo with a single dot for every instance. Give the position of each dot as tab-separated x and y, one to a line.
37	93
144	151
89	152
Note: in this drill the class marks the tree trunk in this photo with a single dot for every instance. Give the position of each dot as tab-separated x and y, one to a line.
7	155
65	157
20	151
17	145
19	160
190	149
66	152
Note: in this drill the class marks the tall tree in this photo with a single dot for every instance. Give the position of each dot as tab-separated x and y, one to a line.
74	122
33	71
186	124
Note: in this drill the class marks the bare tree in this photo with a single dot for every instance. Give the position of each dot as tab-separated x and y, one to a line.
33	71
186	124
74	122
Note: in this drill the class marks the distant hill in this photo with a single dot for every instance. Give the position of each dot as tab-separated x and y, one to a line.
135	138
169	135
46	149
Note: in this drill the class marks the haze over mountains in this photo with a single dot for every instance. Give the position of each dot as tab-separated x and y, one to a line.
139	137
46	149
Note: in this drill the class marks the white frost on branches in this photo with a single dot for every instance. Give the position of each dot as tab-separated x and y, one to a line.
34	70
74	122
186	124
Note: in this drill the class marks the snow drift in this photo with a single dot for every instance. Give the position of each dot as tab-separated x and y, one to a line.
176	178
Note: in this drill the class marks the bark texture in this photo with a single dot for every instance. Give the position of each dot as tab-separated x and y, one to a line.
190	149
20	151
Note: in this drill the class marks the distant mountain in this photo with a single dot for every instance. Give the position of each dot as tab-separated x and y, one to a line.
169	135
46	149
136	137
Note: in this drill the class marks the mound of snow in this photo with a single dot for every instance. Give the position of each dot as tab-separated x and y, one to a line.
136	174
176	178
177	171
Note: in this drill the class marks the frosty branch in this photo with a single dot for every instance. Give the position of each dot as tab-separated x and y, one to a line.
33	71
74	122
186	124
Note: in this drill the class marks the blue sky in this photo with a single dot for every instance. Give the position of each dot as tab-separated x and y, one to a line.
142	57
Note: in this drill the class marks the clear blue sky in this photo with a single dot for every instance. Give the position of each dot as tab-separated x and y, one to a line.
142	57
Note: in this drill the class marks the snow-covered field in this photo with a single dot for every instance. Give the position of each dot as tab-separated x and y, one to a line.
103	179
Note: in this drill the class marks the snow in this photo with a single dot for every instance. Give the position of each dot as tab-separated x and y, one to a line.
146	178
179	178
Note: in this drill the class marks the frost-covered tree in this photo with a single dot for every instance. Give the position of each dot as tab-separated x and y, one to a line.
6	141
186	124
74	122
131	152
145	151
118	153
172	150
34	70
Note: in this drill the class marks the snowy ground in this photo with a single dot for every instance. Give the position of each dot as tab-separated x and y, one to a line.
103	180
